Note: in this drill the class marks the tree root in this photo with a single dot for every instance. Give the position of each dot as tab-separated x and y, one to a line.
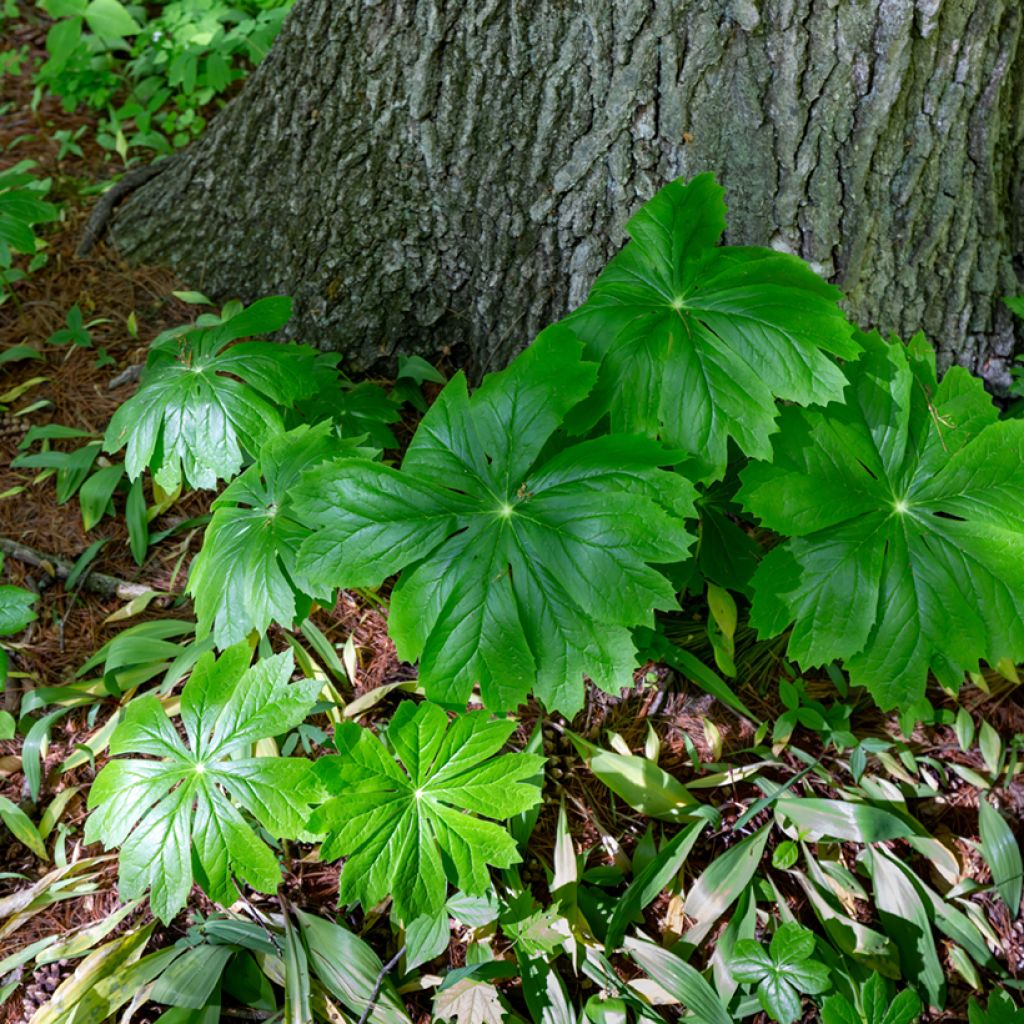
104	209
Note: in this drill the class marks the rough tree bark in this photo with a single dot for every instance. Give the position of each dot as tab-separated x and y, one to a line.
426	173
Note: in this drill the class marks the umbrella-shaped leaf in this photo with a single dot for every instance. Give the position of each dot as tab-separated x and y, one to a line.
903	505
698	340
189	796
200	405
524	563
404	830
245	576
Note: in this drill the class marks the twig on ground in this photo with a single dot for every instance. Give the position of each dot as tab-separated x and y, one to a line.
97	582
379	984
129	375
259	918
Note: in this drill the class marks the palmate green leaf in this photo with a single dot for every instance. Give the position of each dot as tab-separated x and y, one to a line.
522	568
782	972
904	509
201	404
407	833
245	576
877	1007
188	800
697	340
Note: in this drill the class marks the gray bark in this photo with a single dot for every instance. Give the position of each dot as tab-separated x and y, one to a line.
424	174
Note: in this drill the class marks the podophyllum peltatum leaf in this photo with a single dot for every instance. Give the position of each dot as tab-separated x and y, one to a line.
200	404
406	832
189	800
245	576
904	509
525	565
697	340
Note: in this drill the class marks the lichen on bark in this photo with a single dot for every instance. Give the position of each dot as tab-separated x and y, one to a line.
420	174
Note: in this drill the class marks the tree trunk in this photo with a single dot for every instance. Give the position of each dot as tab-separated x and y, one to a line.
422	174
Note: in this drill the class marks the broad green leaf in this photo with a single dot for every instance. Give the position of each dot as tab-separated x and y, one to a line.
191	979
525	563
95	494
201	405
680	980
404	831
721	883
782	972
1001	1009
110	19
349	968
190	797
697	340
61	42
904	1008
639	781
903	506
842	819
853	938
1001	851
245	576
426	938
16	610
907	921
21	827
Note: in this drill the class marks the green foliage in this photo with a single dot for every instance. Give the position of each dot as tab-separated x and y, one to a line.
76	330
533	544
782	972
154	70
1001	1009
254	535
16	607
183	800
403	830
525	559
875	1006
1001	851
697	340
356	409
201	403
22	207
904	509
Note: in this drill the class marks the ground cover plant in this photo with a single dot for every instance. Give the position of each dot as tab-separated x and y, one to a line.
669	672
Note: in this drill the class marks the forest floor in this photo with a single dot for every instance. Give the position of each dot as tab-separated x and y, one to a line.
68	388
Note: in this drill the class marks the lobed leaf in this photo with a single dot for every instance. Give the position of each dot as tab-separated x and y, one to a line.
246	574
524	562
907	544
407	831
190	799
697	341
189	418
